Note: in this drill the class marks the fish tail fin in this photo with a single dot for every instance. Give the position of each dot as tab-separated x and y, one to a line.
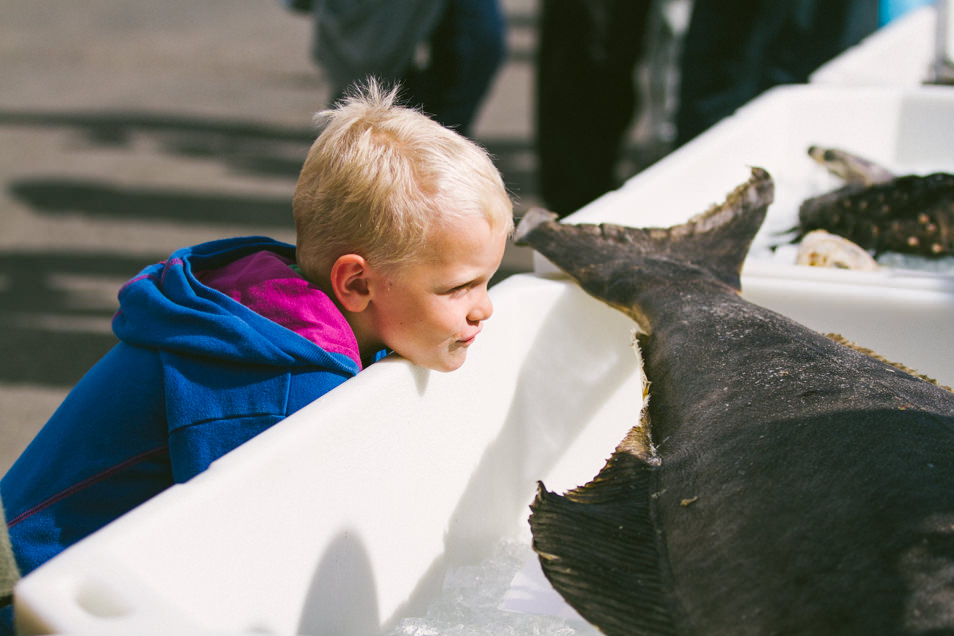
719	239
532	219
716	241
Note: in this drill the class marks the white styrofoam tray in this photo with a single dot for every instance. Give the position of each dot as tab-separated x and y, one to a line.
905	315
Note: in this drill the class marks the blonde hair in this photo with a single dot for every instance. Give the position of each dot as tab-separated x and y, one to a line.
380	176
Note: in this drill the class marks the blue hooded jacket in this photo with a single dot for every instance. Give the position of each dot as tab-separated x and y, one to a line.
194	375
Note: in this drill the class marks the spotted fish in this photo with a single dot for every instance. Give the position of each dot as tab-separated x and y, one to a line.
777	481
879	211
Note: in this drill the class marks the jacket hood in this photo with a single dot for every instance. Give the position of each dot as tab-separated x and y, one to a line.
166	307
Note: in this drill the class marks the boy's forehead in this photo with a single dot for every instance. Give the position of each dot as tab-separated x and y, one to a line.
458	231
470	241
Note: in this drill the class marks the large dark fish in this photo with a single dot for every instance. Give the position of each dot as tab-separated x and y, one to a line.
910	214
778	482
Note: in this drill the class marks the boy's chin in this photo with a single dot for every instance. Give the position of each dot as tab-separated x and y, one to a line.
445	365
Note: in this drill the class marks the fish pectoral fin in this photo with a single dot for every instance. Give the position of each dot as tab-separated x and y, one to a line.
598	548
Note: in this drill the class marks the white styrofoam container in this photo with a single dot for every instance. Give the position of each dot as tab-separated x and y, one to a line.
905	315
343	518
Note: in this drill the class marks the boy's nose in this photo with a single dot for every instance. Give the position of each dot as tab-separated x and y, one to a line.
482	309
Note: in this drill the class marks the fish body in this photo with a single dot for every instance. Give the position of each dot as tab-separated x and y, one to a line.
777	483
912	214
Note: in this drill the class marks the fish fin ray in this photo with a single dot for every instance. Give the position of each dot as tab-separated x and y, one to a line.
597	546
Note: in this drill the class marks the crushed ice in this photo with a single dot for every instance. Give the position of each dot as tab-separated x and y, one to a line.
473	598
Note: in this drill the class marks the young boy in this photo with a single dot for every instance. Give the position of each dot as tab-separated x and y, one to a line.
400	224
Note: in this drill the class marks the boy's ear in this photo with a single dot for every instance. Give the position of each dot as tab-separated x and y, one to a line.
350	282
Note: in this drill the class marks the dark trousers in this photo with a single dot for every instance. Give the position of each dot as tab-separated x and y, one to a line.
585	95
736	49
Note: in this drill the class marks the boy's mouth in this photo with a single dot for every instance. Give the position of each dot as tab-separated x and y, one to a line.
468	341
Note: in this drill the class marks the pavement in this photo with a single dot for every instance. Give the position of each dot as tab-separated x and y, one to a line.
129	129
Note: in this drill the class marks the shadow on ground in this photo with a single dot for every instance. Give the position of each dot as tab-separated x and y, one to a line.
53	333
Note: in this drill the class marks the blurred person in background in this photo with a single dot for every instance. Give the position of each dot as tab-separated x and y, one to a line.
735	50
586	96
445	53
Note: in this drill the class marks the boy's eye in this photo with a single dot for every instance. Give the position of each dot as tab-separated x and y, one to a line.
461	289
